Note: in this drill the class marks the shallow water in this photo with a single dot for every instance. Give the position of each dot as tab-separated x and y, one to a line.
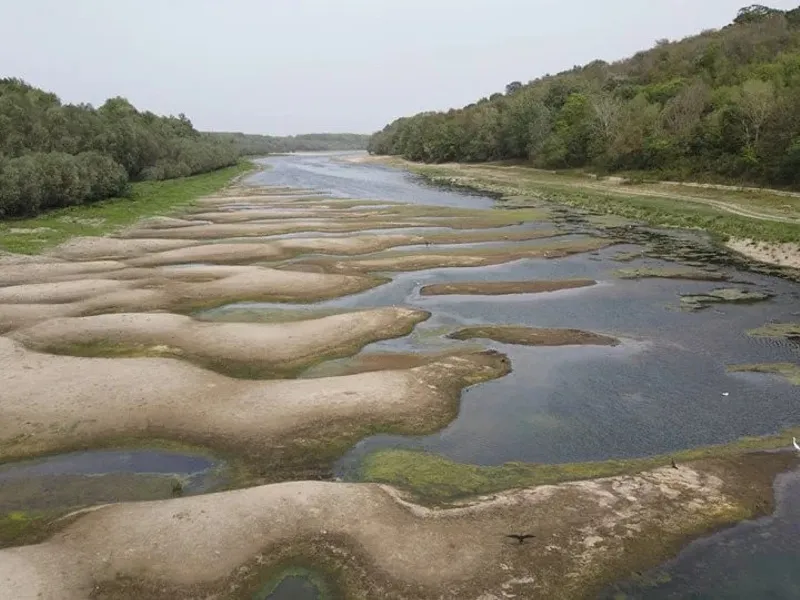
663	389
753	560
84	478
294	587
660	391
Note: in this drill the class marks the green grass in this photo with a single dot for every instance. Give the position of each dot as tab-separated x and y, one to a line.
434	479
790	371
579	191
34	235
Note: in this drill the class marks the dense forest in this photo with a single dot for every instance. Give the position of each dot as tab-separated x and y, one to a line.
254	145
724	104
54	154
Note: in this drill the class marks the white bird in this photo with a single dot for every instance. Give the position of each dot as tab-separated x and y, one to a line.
795	444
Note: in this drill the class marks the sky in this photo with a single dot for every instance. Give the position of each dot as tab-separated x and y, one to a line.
281	67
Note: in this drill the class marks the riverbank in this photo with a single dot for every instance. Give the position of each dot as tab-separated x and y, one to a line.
148	198
761	224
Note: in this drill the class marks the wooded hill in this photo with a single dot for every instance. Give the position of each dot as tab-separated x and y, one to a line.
54	154
724	104
254	145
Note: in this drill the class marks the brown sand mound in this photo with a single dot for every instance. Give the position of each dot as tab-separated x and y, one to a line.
498	288
55	293
532	336
97	248
176	289
432	259
84	401
53	270
239	349
222	545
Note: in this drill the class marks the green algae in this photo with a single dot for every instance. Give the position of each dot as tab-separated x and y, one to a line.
720	296
777	330
434	479
789	371
670	273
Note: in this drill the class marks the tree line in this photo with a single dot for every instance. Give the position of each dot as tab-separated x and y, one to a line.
724	104
54	154
254	145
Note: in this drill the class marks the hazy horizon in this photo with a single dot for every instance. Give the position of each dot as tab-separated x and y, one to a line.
308	66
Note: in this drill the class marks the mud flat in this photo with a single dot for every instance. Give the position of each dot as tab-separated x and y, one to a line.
235	349
499	288
108	248
177	289
469	257
381	545
85	402
532	336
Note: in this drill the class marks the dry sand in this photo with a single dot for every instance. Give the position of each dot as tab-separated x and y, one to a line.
784	255
84	401
225	347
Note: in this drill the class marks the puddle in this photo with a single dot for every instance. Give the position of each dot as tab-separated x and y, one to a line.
752	560
96	477
295	584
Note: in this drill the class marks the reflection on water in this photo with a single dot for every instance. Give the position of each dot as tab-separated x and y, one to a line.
752	561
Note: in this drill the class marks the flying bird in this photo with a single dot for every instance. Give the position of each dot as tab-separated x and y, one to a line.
521	538
795	444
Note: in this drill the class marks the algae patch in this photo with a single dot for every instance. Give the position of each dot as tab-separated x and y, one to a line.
531	336
777	330
789	371
499	288
720	296
671	273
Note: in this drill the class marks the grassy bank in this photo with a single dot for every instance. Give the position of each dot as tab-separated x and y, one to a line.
31	236
434	479
759	214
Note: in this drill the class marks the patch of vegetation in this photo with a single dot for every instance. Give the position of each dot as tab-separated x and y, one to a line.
434	479
790	371
670	273
147	198
777	330
532	336
54	155
683	109
248	144
722	295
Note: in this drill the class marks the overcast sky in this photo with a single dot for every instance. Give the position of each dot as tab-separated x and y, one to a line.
295	66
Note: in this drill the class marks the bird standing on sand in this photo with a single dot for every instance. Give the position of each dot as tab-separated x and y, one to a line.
674	466
795	444
521	537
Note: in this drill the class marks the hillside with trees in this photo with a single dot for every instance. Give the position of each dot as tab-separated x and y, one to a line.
255	145
54	154
721	105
